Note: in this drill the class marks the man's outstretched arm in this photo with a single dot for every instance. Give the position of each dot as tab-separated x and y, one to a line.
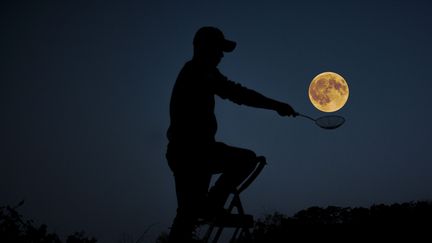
241	95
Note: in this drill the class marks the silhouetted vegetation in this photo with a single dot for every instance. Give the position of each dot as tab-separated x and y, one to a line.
397	221
15	229
162	238
407	222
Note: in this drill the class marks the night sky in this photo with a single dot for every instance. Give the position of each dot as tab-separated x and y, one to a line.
85	89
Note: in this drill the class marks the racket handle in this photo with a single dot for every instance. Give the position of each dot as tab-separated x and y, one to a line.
308	117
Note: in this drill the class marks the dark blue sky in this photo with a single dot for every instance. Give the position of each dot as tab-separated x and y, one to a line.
85	88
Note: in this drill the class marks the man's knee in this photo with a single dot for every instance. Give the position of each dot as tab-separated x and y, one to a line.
240	154
247	158
250	156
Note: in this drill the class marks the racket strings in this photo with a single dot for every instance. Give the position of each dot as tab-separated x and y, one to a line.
330	122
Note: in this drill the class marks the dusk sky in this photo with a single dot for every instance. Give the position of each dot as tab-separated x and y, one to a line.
85	89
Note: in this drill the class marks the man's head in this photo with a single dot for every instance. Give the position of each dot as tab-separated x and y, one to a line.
209	45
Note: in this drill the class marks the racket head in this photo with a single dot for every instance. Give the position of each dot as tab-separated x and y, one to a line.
330	122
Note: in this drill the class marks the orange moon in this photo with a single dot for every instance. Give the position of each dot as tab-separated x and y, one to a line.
328	92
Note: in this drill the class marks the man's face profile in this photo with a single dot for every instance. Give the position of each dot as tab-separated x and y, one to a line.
211	56
215	56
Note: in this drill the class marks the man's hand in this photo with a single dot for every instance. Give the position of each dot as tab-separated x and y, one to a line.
286	110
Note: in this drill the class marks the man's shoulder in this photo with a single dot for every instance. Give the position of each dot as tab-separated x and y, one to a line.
186	71
190	67
193	69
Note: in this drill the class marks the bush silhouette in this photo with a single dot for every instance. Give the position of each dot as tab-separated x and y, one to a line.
14	228
397	221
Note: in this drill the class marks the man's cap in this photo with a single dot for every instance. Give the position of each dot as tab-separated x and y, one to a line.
211	37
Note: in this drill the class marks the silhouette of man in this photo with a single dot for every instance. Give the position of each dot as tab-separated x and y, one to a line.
193	154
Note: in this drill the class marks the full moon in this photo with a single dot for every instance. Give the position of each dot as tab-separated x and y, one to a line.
328	92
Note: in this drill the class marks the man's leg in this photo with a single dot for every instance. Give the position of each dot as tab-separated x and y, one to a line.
191	189
235	164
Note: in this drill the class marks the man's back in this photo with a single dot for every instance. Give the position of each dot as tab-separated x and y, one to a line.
192	107
192	103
